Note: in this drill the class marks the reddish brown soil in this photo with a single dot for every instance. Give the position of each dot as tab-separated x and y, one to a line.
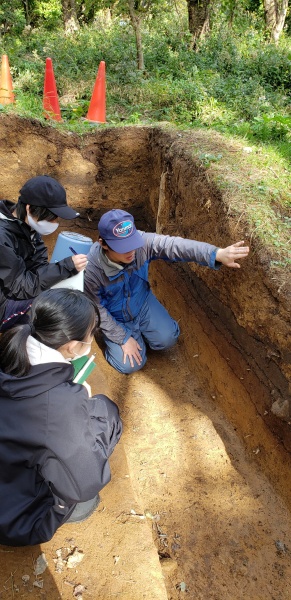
199	503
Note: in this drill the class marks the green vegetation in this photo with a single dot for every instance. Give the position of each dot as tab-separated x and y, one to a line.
238	83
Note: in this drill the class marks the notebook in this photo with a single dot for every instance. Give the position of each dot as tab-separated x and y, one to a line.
76	282
83	366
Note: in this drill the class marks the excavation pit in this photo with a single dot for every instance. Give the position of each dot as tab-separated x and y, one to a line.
200	492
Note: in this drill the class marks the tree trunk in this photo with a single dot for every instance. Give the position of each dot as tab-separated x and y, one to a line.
270	13
26	11
232	9
136	22
280	22
198	18
275	15
70	19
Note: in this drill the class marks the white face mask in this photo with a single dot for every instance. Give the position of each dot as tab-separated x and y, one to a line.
42	227
86	351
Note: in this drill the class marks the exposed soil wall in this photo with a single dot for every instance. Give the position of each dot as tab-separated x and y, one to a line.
248	304
108	168
153	173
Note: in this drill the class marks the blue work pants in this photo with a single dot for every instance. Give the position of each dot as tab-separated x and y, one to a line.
153	326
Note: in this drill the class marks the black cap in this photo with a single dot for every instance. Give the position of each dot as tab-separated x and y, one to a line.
46	191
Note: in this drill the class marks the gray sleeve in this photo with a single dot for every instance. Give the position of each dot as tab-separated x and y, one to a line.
174	248
115	332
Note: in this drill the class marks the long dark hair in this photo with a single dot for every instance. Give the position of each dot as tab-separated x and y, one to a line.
57	317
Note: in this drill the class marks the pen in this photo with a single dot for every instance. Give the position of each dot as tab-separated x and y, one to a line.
74	252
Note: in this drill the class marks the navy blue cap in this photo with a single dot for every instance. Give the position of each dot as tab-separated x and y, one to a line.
116	227
45	191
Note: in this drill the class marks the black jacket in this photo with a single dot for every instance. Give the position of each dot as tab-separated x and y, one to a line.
50	457
24	267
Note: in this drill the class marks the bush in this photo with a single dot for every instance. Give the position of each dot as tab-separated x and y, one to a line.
235	82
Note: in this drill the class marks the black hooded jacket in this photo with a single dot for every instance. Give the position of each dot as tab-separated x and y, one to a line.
24	267
50	456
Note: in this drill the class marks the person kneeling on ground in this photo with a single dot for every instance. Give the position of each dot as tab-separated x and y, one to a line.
117	276
24	267
55	441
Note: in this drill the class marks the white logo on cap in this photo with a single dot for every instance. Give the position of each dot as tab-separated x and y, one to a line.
123	229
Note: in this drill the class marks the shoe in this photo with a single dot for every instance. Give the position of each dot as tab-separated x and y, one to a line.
83	510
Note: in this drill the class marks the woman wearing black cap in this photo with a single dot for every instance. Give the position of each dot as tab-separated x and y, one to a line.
24	267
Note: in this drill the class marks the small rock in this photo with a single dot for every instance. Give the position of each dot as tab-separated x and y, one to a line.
280	408
74	558
40	565
38	584
182	586
281	547
78	590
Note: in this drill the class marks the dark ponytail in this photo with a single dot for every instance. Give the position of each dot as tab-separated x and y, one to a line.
58	316
13	354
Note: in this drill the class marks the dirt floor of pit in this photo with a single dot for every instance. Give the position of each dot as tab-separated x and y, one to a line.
187	514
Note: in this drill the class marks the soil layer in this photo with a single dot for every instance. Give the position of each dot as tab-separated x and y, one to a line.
200	494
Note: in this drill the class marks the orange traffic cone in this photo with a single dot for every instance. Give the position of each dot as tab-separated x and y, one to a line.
50	95
97	106
6	93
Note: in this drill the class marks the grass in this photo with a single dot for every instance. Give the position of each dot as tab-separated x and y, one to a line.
237	85
255	181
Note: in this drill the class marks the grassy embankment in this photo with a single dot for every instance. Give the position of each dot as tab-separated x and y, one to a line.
238	84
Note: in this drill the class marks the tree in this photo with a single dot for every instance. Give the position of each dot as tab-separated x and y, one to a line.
198	18
139	11
69	13
136	21
26	11
275	15
11	16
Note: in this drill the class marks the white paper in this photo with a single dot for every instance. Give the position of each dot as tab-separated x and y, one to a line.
76	282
